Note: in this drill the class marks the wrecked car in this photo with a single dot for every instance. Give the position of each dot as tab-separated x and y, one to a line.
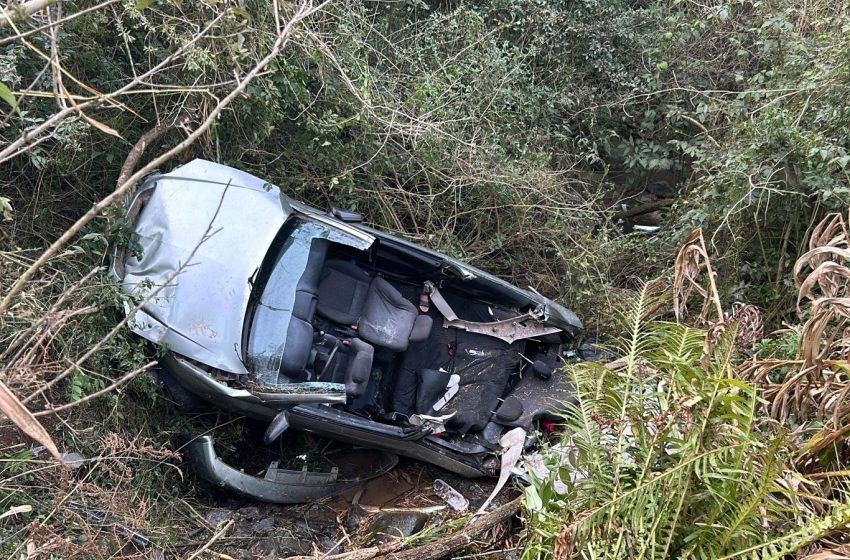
310	320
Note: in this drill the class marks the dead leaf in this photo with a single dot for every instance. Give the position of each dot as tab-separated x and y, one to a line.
26	508
691	261
23	419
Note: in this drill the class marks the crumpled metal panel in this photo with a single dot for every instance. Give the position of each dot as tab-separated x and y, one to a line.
200	313
552	313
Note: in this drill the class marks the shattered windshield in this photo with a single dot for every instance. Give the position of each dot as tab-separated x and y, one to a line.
273	299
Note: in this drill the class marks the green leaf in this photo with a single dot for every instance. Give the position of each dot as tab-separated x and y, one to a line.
532	499
7	96
241	12
142	4
5	208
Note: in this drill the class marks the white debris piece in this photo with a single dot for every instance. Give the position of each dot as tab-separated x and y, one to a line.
512	443
455	499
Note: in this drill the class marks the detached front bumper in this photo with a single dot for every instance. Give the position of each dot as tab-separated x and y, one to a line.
279	486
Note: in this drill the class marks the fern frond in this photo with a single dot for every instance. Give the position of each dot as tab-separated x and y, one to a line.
809	532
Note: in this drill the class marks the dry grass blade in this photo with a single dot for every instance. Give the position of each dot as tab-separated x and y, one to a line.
819	386
829	231
23	419
815	384
691	261
826	276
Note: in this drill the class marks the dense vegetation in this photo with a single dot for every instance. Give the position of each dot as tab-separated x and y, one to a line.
511	133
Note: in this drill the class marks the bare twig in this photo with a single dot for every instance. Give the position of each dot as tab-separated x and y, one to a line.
701	127
212	540
20	145
118	382
58	88
13	38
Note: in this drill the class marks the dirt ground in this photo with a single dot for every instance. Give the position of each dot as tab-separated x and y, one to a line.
387	506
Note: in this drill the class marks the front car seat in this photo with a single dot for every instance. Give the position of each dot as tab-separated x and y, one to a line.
348	295
388	320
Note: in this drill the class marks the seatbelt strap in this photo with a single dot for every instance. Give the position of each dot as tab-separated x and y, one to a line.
439	302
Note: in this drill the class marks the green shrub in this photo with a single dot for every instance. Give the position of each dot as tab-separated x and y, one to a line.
668	457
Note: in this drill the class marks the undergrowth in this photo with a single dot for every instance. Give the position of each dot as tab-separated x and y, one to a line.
668	455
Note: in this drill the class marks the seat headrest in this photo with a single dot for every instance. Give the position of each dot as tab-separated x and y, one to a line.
421	328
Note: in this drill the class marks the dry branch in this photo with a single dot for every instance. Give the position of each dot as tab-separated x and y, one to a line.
25	420
463	538
33	136
22	11
75	15
430	551
118	382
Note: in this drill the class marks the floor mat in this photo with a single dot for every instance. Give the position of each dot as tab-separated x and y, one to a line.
484	364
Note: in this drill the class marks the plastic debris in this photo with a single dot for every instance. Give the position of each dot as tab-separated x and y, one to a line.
512	442
73	460
455	499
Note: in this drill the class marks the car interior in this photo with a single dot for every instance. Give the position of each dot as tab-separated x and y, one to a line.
361	319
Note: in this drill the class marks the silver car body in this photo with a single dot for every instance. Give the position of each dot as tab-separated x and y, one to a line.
204	231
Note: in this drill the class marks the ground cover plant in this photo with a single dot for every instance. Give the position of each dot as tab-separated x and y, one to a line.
671	451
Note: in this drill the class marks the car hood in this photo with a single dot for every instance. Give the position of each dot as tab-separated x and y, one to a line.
204	232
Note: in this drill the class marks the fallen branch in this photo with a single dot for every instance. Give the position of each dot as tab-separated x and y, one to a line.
430	551
645	208
463	538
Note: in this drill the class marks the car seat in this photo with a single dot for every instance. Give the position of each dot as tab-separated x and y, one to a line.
350	296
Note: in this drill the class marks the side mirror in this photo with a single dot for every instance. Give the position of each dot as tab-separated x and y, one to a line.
346	216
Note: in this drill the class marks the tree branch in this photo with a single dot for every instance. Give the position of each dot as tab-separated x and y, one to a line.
137	150
22	11
430	551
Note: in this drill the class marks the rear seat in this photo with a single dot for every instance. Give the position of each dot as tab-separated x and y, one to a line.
484	364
